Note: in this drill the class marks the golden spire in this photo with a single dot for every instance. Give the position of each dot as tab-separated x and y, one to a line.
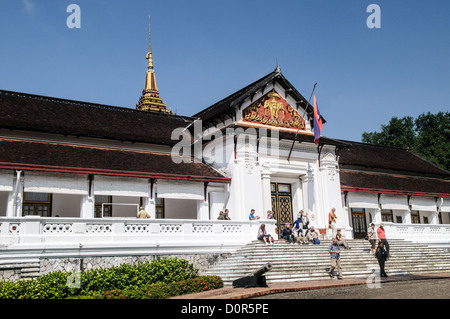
150	100
149	55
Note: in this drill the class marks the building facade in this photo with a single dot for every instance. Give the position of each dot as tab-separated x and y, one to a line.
73	176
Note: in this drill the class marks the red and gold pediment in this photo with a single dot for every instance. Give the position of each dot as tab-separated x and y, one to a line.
272	109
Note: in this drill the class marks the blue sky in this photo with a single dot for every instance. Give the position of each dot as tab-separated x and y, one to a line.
205	50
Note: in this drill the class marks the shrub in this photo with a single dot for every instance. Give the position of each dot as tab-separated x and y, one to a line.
128	277
95	282
162	290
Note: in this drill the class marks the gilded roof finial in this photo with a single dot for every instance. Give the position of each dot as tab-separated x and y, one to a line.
150	99
149	55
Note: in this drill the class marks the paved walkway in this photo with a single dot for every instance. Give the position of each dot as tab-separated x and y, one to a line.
243	293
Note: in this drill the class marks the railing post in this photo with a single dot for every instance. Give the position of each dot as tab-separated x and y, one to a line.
31	229
118	228
188	228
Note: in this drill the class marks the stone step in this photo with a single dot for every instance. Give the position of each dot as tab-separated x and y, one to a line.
250	269
314	257
18	266
323	275
325	255
349	270
306	262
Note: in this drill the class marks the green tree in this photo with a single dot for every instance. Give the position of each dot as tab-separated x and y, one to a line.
398	133
428	136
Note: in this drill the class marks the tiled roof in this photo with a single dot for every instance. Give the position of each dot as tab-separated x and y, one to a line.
19	154
390	183
226	106
51	115
388	159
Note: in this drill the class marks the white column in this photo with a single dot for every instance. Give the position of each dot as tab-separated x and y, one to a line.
149	203
202	210
434	218
87	205
377	216
266	192
15	197
19	198
308	192
406	217
10	204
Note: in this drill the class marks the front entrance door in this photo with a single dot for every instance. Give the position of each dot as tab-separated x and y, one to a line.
359	223
281	204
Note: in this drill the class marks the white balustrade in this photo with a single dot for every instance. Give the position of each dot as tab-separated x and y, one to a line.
64	231
423	233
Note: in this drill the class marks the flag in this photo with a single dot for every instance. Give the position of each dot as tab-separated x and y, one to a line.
317	122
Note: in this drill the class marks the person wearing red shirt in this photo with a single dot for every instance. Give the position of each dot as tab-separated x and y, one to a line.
381	233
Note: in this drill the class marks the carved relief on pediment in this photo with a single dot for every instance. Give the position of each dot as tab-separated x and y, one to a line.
272	109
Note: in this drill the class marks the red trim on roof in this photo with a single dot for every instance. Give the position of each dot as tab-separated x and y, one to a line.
387	191
77	170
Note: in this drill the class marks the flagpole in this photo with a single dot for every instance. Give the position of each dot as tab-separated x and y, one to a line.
293	142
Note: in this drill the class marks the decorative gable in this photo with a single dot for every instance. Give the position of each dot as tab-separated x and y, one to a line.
272	109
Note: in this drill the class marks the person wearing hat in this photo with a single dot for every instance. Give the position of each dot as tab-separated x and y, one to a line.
381	233
372	237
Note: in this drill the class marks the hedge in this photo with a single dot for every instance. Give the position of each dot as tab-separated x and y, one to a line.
134	279
167	290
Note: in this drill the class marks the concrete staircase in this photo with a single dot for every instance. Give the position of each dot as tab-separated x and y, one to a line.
311	262
18	271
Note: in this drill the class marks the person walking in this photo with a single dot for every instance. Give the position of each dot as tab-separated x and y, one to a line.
381	256
372	237
335	252
381	233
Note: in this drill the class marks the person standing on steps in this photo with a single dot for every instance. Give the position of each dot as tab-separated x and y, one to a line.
372	237
381	233
335	252
381	256
332	221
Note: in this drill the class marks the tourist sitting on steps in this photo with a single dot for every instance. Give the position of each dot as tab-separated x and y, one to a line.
287	234
298	233
341	241
312	236
263	235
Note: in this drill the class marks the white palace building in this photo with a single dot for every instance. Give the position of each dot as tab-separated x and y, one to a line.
74	174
